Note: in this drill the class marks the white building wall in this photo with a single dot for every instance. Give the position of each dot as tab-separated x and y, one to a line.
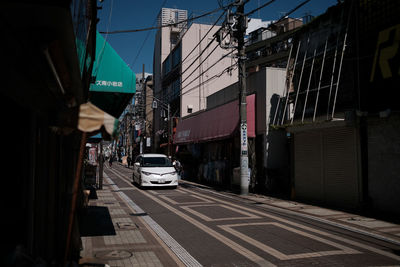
255	24
195	87
163	46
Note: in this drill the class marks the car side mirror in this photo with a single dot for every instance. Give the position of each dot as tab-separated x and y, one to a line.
137	164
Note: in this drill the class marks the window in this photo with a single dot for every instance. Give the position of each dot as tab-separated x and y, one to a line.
156	162
189	108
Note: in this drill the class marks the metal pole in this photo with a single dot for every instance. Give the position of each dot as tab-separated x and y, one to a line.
340	71
298	86
286	83
341	60
320	80
75	188
101	166
244	162
169	131
290	82
308	86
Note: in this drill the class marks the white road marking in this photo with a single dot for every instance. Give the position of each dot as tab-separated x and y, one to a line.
233	245
297	225
179	251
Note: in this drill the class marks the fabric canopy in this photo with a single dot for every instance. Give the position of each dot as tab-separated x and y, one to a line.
218	123
91	119
115	82
111	72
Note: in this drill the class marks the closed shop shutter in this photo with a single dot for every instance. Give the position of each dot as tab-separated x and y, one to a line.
308	165
327	166
341	177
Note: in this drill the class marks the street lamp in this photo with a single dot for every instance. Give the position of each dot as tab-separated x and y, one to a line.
165	105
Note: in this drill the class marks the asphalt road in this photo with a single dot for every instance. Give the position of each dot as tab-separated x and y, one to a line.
204	227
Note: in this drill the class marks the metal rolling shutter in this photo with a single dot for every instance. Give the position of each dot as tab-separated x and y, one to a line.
341	177
327	166
308	165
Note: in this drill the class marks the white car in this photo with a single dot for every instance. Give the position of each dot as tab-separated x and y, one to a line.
154	170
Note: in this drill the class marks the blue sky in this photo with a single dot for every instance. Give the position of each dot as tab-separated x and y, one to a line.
131	14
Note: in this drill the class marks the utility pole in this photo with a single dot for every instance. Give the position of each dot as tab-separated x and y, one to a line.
235	25
142	111
169	120
244	159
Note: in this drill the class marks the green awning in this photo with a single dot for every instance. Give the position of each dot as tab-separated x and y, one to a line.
115	82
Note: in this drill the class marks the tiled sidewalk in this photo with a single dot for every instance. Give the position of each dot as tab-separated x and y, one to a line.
131	243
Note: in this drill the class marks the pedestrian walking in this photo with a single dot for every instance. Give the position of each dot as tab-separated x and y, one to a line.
129	161
177	165
110	161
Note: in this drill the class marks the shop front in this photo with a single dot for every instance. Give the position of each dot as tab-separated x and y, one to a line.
207	143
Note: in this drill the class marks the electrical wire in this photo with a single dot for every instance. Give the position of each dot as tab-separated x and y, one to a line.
201	74
198	66
215	23
105	41
257	9
208	45
293	10
230	68
168	25
282	17
145	39
202	52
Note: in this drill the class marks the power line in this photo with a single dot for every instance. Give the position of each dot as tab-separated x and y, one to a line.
282	17
213	77
168	25
202	52
105	40
257	9
198	66
215	23
145	39
291	11
215	63
230	68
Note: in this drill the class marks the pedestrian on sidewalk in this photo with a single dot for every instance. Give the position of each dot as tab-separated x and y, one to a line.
129	160
110	161
178	166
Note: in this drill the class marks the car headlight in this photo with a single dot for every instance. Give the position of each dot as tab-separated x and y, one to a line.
146	173
172	173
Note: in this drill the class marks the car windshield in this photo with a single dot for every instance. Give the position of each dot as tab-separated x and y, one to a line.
156	162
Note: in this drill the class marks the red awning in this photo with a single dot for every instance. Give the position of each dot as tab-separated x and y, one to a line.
217	123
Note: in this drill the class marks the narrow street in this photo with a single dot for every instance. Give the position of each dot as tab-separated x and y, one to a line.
203	227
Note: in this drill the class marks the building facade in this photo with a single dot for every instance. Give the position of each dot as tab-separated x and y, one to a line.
50	48
338	111
189	65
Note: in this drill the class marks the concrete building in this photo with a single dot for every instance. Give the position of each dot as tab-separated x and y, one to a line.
186	70
165	41
205	74
338	110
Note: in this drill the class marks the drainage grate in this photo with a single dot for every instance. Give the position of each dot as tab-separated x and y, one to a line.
129	226
113	255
